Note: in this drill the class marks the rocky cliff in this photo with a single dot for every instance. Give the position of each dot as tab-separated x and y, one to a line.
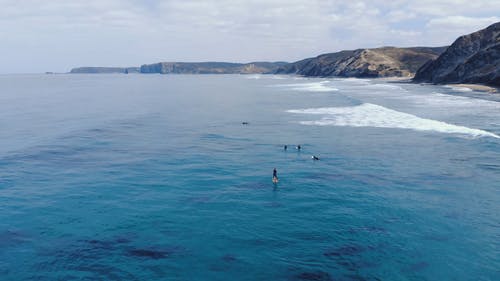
210	67
378	62
473	58
93	69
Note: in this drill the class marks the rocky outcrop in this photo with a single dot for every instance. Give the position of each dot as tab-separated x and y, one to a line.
211	67
378	62
94	70
473	58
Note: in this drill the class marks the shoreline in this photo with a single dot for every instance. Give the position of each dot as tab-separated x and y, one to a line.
475	87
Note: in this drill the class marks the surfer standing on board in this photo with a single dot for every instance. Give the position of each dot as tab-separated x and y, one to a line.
275	176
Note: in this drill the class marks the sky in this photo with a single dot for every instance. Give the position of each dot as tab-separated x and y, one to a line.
56	35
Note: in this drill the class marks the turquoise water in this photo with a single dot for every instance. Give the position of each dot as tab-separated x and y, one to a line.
151	177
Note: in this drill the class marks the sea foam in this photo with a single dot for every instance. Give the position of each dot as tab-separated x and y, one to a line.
458	89
321	86
384	87
372	115
455	102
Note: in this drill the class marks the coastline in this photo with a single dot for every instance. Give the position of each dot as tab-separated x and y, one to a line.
475	87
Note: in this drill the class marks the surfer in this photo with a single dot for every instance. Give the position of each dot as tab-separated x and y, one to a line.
275	176
315	157
285	147
298	147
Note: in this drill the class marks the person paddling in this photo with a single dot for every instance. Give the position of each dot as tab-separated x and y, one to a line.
275	176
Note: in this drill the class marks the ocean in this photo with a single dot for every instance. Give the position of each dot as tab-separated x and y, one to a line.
155	177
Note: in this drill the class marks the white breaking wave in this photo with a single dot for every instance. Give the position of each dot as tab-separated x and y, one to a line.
372	115
384	87
321	86
440	100
253	76
278	77
458	89
265	76
354	80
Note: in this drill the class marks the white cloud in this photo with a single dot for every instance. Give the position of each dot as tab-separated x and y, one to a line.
461	23
443	8
446	29
400	15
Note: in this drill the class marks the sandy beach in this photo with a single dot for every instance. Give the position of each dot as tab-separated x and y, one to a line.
476	87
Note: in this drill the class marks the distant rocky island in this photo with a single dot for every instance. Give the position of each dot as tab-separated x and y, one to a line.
473	58
377	62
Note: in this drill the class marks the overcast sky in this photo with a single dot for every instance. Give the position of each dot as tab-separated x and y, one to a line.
56	35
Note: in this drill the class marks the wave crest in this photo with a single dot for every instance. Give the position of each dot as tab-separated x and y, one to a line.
321	86
372	115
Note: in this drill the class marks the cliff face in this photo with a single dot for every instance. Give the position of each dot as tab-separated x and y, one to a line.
379	62
210	67
105	70
473	58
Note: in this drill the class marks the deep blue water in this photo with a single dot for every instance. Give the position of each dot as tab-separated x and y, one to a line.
154	177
